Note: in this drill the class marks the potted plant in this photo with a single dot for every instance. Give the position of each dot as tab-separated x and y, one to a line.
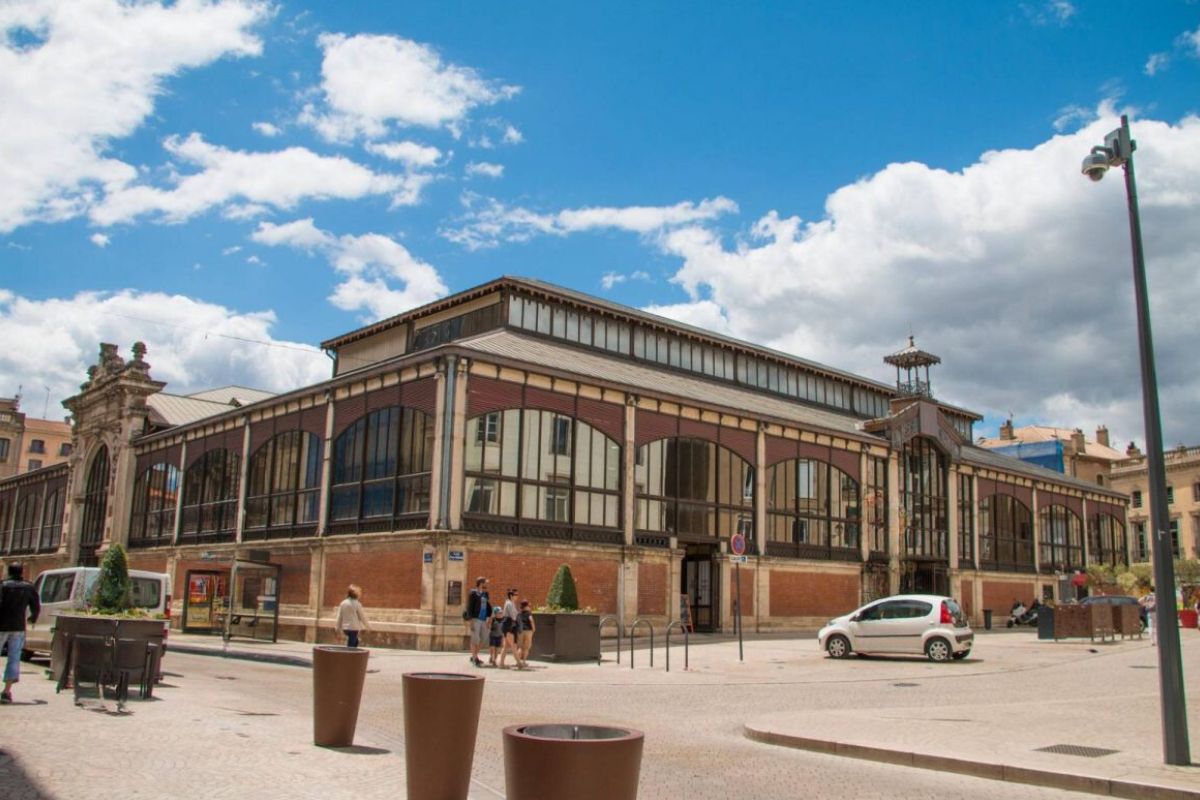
122	633
565	632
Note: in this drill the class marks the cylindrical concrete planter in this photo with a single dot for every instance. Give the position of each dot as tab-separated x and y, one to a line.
582	762
338	674
441	718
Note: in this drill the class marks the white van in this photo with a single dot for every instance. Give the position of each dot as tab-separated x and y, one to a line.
70	589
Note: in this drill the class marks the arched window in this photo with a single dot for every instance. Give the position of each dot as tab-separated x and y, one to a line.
95	505
693	489
1106	540
284	483
923	498
812	510
52	521
547	469
210	490
25	524
381	467
1061	539
1005	534
153	519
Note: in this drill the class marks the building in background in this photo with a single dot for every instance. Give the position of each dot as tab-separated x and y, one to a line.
1060	449
518	426
28	443
1130	476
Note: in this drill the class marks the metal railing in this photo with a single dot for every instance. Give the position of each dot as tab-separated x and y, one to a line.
633	631
683	627
616	621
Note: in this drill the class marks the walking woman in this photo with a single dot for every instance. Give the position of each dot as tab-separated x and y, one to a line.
510	629
526	627
351	618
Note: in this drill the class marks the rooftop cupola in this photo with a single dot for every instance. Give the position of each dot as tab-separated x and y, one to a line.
911	360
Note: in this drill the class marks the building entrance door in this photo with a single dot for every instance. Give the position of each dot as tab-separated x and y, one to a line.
925	577
701	586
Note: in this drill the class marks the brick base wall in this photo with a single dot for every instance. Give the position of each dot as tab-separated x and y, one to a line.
531	574
812	594
652	590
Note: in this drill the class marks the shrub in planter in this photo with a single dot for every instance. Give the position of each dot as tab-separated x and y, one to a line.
564	631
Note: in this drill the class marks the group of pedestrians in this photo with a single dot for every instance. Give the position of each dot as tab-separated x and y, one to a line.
507	629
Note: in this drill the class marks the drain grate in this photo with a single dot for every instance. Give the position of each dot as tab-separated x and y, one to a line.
905	685
1076	750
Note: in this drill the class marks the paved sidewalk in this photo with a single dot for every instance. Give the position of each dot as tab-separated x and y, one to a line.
986	716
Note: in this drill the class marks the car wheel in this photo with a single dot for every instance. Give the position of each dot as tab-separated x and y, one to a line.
1008	624
962	655
938	650
837	646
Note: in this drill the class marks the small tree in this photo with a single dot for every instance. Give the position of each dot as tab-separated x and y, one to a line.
112	589
562	593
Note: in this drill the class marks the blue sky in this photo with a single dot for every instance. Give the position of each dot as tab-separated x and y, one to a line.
818	177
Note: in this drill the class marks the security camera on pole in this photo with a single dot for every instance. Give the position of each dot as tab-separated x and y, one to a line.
1117	151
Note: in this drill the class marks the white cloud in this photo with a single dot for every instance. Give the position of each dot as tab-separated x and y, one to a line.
99	239
369	266
193	345
485	169
254	260
1156	63
610	279
278	180
370	81
1015	270
512	135
1049	12
93	78
496	223
1073	117
1191	41
267	129
228	251
410	154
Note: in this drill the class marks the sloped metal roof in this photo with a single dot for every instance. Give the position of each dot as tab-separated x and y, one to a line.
169	410
982	457
224	394
659	381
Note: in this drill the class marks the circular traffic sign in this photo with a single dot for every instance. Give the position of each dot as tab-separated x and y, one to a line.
737	543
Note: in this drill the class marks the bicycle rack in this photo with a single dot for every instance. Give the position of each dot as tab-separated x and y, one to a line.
632	630
616	621
682	627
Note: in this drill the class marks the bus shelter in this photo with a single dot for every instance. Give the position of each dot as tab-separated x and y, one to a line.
238	599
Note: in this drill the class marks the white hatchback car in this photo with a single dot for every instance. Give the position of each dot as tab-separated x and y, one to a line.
915	624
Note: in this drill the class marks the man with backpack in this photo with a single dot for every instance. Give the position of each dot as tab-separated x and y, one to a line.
17	599
478	616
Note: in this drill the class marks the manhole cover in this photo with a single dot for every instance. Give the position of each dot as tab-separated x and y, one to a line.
905	685
1076	750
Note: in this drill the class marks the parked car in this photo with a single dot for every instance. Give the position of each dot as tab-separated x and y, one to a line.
1117	600
916	624
71	588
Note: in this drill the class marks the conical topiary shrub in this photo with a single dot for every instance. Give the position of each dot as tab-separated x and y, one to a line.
562	594
112	589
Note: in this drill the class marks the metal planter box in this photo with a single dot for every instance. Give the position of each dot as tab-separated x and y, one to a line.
566	637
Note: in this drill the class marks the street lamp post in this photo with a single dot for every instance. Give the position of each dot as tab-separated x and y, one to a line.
1117	150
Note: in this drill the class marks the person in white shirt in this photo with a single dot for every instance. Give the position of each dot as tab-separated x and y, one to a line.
351	618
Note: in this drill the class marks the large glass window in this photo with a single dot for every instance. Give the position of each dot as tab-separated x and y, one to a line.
966	520
876	504
1005	533
25	524
381	466
1060	545
693	489
1106	540
52	521
923	498
813	506
153	519
542	466
210	490
284	482
95	502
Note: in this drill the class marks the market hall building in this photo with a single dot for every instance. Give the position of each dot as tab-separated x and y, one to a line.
518	426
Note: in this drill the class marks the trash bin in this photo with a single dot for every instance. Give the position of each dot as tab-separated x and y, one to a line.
582	762
441	718
1045	622
987	619
338	674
